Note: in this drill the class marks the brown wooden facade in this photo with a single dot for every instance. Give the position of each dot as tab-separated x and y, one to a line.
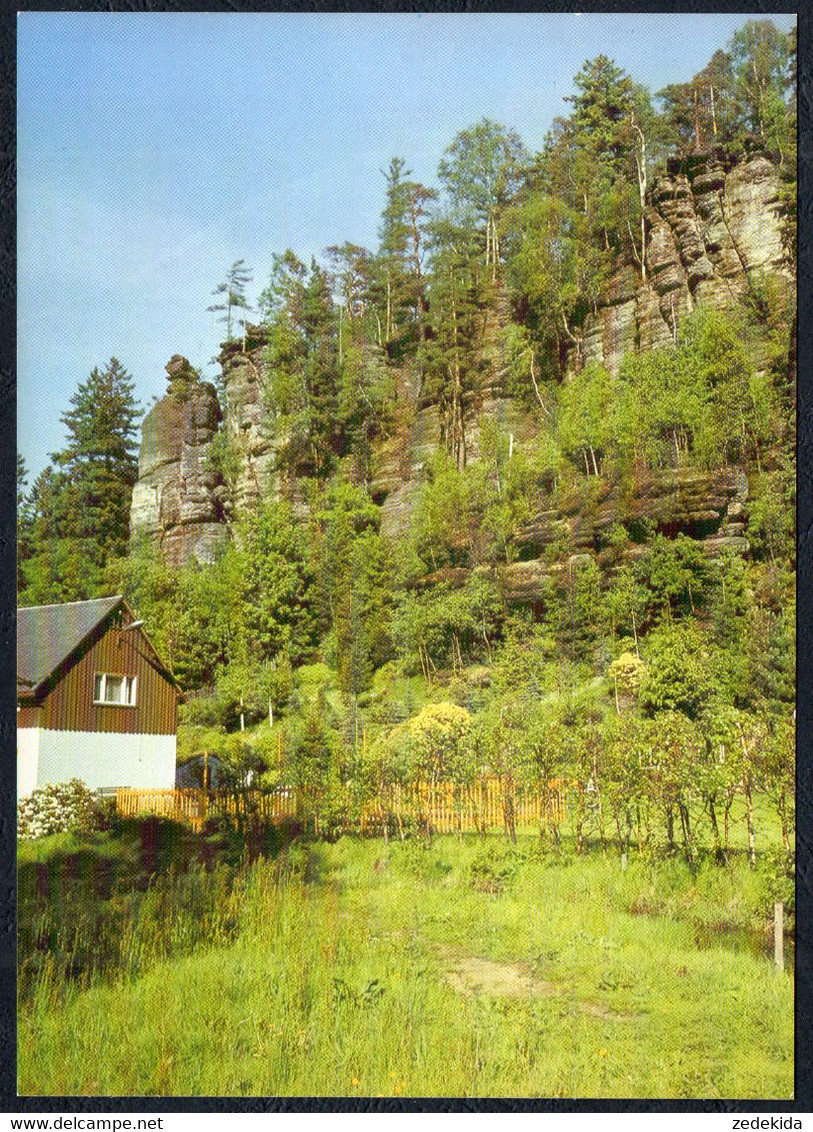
66	703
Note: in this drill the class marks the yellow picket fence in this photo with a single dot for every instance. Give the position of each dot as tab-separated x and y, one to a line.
193	805
448	808
444	807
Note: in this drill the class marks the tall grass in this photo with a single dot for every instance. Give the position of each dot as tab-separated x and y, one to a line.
456	969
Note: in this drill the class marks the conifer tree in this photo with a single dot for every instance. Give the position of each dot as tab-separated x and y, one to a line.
401	252
231	296
80	507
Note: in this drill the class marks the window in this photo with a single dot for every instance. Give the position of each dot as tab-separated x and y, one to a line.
109	689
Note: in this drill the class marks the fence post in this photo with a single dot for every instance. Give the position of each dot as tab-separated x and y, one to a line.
779	935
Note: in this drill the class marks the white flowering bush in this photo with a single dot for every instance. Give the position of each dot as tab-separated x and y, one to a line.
58	808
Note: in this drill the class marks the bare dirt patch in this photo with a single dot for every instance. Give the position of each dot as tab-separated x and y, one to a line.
472	974
469	974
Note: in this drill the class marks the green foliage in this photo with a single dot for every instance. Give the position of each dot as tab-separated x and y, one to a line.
401	290
230	296
224	461
276	584
480	172
300	361
436	742
586	417
352	590
677	674
79	508
676	571
771	521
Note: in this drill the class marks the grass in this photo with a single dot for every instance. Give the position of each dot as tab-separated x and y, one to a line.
464	969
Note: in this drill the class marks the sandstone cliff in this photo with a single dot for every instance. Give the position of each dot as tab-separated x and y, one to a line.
710	231
175	502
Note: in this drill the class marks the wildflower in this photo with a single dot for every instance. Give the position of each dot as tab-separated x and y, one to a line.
355	1082
398	1088
602	1053
393	1074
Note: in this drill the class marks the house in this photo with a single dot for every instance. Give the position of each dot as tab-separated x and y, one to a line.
94	699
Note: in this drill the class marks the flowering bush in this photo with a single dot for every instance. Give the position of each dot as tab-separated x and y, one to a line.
57	808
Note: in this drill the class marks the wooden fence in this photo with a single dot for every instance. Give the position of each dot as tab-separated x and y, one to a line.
448	808
194	806
444	807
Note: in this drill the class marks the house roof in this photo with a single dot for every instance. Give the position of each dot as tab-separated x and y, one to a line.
48	634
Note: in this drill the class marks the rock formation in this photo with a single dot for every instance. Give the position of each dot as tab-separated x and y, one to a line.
708	229
175	501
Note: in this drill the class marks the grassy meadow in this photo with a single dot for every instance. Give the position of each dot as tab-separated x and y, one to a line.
469	967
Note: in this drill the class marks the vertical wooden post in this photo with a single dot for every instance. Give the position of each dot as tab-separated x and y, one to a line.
779	935
623	862
206	770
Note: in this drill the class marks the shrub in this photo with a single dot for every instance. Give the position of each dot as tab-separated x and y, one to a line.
60	807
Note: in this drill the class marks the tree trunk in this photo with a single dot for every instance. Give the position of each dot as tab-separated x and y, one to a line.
749	819
670	827
457	400
685	822
715	829
509	817
597	784
783	817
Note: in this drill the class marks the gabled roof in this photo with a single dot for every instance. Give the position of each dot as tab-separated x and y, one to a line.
48	634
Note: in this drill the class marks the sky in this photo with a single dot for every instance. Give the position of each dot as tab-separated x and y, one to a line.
155	149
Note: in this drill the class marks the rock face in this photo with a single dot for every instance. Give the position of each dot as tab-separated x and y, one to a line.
175	501
708	506
708	227
247	420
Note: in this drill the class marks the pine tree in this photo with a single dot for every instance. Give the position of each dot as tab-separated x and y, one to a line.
231	296
393	253
80	507
101	457
401	252
452	357
319	325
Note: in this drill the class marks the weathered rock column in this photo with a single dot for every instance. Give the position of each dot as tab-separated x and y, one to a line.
174	502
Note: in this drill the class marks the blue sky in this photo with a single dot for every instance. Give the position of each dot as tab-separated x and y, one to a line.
154	149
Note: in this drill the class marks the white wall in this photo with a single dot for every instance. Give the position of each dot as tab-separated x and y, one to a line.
99	759
28	741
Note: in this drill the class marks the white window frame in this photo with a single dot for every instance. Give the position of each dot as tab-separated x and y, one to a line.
100	682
